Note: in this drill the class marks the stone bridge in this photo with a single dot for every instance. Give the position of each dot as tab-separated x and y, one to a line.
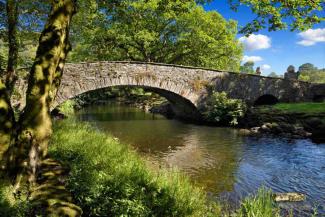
183	86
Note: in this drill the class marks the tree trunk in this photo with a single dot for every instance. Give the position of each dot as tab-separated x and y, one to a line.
12	14
35	126
7	123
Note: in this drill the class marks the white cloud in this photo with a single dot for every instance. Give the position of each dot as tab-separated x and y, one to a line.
265	67
311	37
256	42
252	59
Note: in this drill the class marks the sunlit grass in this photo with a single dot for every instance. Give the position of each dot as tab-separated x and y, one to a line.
308	108
262	204
301	107
10	205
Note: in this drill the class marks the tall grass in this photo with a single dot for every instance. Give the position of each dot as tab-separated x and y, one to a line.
262	204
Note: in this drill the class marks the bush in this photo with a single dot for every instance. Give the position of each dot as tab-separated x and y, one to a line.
67	108
219	108
108	179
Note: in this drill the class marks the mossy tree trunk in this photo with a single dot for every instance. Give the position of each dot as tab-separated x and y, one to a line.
34	125
7	122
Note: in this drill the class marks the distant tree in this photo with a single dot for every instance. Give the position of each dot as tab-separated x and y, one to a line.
273	75
307	67
308	72
247	68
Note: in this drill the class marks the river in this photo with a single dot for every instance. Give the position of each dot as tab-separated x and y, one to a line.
227	165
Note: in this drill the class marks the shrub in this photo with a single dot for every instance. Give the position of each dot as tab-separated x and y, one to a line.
67	108
219	108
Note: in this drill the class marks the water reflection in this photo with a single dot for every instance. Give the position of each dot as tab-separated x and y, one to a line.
217	159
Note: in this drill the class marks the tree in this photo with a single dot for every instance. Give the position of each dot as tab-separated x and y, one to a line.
28	138
307	67
170	32
247	68
12	20
279	14
273	75
20	25
308	72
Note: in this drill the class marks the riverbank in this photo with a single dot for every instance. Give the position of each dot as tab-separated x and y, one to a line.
108	178
294	120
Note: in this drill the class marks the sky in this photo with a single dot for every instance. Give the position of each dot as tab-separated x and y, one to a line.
275	51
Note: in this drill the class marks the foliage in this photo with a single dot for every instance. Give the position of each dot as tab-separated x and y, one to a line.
261	205
247	68
219	108
278	14
3	55
175	32
67	108
308	72
31	19
9	204
109	179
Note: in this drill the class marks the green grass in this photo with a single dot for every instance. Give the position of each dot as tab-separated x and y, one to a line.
9	205
261	204
309	108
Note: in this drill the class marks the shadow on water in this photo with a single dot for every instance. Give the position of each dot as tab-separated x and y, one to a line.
227	165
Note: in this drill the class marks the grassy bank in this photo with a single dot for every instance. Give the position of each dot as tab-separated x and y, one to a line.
308	108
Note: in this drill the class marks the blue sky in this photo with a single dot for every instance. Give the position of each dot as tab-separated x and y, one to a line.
282	50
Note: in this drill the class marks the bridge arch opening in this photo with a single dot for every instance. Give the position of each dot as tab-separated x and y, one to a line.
181	107
319	98
266	99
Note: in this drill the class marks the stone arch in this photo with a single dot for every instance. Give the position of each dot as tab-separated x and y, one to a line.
182	101
266	99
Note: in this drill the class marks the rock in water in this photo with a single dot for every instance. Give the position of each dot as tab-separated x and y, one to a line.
289	197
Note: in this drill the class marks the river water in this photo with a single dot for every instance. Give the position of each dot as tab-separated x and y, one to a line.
227	165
